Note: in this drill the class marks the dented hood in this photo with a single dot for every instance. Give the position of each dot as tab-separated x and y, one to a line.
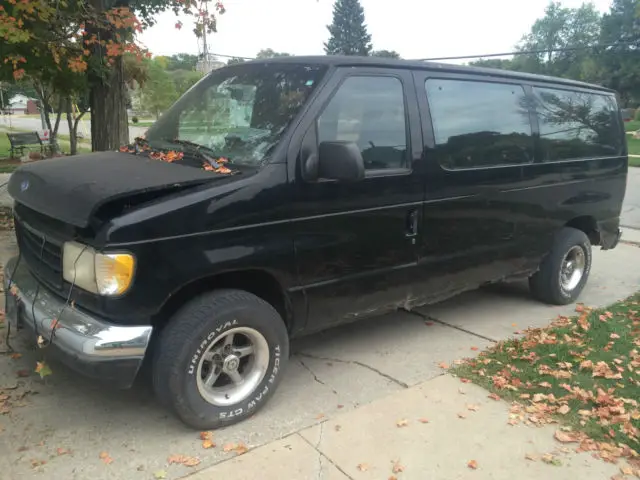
72	189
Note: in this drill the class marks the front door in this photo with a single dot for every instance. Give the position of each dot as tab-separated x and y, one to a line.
356	243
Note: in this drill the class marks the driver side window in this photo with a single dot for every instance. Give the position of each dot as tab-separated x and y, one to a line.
369	111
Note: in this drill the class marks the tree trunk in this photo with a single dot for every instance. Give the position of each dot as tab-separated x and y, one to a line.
73	140
107	95
109	122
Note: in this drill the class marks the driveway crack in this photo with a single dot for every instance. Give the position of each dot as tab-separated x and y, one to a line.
316	447
353	362
315	377
436	320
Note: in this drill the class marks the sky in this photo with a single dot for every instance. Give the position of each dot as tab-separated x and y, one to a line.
413	28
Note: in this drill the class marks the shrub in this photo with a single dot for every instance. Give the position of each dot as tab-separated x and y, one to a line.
134	119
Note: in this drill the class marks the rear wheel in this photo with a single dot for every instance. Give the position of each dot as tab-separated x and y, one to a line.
220	358
564	271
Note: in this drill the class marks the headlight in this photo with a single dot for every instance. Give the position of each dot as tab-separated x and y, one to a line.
102	273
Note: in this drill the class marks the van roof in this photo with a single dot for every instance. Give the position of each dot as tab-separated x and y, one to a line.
345	61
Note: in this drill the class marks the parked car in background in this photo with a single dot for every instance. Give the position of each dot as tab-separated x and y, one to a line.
333	189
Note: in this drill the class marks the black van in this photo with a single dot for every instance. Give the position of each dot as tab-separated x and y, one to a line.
280	197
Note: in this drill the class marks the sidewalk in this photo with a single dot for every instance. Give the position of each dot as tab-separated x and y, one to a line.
464	424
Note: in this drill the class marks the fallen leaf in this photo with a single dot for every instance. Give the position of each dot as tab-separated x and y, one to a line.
472	464
614	336
474	348
320	416
228	447
42	369
208	443
626	470
564	409
397	467
104	456
443	365
494	396
402	423
160	474
531	456
423	420
184	460
41	342
462	415
550	459
473	407
16	356
205	435
392	477
241	449
63	451
363	467
337	428
565	437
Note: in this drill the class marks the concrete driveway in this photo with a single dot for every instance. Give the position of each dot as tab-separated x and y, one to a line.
328	374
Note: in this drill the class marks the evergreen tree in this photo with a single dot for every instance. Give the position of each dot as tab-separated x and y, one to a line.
348	31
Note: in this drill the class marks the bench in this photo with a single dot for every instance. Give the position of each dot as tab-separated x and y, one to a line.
20	141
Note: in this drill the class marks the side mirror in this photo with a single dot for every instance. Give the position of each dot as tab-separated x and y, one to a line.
340	161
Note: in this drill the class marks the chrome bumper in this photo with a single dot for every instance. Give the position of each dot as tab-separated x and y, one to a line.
87	344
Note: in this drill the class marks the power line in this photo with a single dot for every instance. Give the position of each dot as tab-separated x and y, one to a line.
528	52
484	55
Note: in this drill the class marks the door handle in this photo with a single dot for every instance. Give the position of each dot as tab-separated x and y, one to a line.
412	224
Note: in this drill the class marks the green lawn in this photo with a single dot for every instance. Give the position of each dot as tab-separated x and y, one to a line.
582	371
141	124
632	126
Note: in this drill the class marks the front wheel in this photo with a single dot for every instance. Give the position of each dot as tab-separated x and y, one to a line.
564	271
220	358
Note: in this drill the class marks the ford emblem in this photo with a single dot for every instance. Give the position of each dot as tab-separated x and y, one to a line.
24	185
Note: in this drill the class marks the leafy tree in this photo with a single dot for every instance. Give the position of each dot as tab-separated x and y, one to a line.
183	80
620	64
348	32
159	91
560	35
56	42
269	53
385	53
182	61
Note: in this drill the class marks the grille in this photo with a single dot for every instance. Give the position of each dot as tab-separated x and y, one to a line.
42	254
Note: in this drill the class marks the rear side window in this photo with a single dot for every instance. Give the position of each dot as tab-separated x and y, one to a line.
479	124
576	124
369	111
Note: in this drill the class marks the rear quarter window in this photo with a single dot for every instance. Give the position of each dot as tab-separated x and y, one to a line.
479	124
576	124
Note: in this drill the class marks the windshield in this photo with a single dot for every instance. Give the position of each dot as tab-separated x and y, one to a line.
239	112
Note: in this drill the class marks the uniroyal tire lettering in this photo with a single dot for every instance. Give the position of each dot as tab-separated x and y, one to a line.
232	413
207	341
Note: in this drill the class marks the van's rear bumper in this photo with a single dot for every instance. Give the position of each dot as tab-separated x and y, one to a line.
89	345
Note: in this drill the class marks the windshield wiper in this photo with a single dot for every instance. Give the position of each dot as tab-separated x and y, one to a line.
197	149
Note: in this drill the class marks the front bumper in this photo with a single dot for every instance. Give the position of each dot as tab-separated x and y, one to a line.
87	344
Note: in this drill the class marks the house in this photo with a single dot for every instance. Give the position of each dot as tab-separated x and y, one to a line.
20	103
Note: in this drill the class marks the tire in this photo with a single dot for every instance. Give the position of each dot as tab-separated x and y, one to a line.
547	284
182	356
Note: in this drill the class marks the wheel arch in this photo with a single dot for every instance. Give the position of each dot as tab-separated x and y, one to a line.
259	282
588	225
